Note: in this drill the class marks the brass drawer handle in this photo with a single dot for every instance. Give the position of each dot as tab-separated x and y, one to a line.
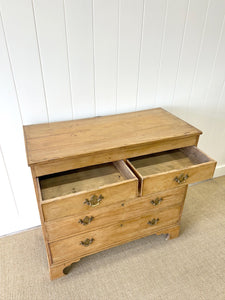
87	242
153	221
181	178
156	201
94	201
87	220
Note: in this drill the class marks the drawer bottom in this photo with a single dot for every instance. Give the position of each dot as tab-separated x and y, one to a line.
88	243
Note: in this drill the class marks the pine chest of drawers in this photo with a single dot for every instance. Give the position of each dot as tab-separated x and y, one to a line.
105	181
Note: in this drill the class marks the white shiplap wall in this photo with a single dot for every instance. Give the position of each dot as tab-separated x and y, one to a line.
62	60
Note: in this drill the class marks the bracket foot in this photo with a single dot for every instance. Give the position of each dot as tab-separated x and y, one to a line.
57	271
173	233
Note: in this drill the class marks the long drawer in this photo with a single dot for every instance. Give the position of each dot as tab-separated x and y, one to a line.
169	169
91	242
80	191
123	210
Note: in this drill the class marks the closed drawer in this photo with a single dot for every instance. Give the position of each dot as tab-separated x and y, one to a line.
83	190
123	210
88	243
172	168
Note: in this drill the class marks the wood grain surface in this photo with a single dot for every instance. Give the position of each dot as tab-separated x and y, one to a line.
79	180
74	161
123	210
157	172
60	140
106	237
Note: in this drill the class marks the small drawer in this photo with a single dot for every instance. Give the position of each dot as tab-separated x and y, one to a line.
94	241
169	169
105	216
84	190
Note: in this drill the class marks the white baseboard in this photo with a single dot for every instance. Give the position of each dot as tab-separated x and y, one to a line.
220	171
20	231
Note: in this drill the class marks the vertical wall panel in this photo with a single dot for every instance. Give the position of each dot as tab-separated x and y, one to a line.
22	44
67	59
153	30
215	96
8	212
49	16
218	133
105	24
200	111
130	35
78	16
172	45
205	64
217	76
12	144
196	18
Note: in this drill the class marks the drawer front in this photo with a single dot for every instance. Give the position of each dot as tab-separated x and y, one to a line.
91	242
200	167
123	210
164	181
78	204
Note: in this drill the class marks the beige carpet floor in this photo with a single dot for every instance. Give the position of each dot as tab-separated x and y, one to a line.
189	267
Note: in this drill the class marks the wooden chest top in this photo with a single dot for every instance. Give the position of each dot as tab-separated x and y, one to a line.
101	135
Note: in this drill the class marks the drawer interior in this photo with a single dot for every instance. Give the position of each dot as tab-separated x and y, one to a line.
83	179
166	161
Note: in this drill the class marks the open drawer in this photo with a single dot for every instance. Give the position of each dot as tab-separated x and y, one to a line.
165	170
84	190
